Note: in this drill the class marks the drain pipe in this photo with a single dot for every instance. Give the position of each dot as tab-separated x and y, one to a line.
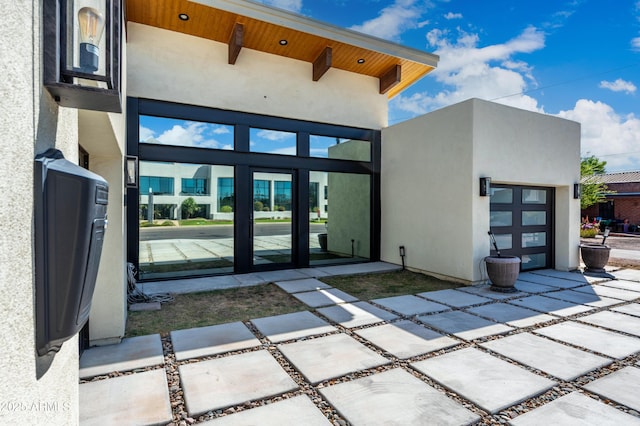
402	256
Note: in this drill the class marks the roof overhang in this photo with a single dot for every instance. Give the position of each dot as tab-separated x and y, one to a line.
248	24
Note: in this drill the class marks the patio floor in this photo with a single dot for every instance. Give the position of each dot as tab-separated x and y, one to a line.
563	350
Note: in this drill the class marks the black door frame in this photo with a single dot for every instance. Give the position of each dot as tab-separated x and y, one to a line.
243	160
517	206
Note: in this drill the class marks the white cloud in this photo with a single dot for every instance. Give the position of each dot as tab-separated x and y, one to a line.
619	85
607	135
393	20
188	134
452	15
635	43
273	135
221	130
292	5
289	150
146	133
468	71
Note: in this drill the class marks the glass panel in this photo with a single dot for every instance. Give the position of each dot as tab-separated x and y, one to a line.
272	226
534	218
504	241
272	142
501	219
172	131
534	261
344	149
534	239
534	196
184	234
501	195
346	236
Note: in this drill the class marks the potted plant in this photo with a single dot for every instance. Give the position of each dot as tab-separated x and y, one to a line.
595	256
503	271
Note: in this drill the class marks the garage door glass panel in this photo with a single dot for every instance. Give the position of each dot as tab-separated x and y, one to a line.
177	132
534	196
501	218
533	261
501	195
534	218
272	142
504	241
534	239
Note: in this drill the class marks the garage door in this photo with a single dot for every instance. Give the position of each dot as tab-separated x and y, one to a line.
522	222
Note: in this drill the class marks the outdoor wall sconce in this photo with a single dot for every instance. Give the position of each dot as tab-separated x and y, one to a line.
81	67
131	171
577	191
485	186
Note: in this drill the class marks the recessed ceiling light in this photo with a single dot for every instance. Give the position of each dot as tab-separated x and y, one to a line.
283	42
183	17
361	61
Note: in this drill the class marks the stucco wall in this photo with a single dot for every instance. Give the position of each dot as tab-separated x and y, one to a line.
431	167
175	67
426	175
30	124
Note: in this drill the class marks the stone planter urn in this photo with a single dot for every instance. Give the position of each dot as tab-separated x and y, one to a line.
503	272
595	257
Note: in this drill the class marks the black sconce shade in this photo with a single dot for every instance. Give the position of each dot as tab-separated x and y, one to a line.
577	191
81	66
131	171
485	186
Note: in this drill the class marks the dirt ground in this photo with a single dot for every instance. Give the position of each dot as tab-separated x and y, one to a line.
615	242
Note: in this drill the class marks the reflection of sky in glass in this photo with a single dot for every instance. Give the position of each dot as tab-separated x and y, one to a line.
272	142
319	145
170	131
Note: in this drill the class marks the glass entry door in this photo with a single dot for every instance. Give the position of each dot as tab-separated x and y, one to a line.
272	218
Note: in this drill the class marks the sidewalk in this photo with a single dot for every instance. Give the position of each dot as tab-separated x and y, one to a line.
565	349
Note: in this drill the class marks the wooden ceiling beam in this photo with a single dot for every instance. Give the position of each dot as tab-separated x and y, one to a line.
390	78
322	63
235	42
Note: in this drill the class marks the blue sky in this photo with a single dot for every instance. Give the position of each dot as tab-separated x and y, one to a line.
576	59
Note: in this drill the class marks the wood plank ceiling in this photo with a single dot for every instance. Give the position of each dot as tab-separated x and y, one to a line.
395	73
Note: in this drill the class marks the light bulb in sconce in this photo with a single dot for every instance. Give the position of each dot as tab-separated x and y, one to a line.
91	23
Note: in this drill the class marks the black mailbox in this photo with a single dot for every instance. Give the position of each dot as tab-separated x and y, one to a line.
70	221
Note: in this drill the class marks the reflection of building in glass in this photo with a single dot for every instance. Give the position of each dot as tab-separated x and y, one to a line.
212	188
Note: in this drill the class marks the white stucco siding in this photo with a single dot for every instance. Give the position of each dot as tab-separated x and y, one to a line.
176	67
431	167
426	174
518	147
30	124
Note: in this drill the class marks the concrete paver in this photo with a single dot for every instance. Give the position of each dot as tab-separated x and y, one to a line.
575	409
395	397
324	297
550	281
627	274
533	288
455	298
612	292
487	381
330	356
356	314
622	386
298	286
215	339
551	306
280	328
406	339
278	413
631	309
565	275
222	382
485	291
141	398
410	305
614	321
582	298
554	358
511	315
623	284
464	325
596	339
131	353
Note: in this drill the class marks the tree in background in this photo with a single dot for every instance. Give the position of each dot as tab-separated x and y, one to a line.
188	208
593	190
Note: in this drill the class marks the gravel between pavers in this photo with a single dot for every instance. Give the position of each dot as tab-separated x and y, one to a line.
181	417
